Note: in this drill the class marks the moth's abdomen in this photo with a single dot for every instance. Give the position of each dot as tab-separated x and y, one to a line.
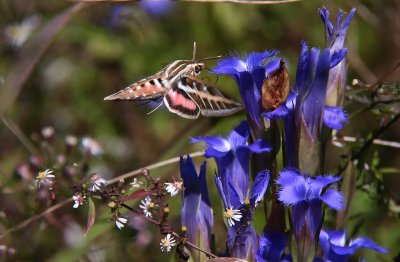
150	88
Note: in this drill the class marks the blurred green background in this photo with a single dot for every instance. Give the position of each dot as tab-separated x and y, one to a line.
103	48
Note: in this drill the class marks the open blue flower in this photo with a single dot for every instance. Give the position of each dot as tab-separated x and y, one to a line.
272	245
336	249
239	206
232	154
196	213
249	71
305	195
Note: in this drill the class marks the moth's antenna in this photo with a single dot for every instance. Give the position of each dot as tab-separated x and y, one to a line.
156	108
194	50
210	58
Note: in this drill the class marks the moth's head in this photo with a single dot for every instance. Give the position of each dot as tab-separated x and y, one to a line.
197	67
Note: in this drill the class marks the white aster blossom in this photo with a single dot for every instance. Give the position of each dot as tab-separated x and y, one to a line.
17	34
44	177
97	183
78	200
232	215
167	243
147	205
92	146
173	188
135	183
120	222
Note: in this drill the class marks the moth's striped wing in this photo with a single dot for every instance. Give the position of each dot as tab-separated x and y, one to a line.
149	88
207	97
180	103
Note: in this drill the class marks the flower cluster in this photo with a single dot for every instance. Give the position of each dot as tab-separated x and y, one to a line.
306	109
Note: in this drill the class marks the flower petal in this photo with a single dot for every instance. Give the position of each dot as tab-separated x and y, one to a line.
256	59
239	135
280	112
333	199
259	187
363	242
334	117
260	146
221	191
230	66
313	105
272	66
337	57
292	187
302	67
248	91
216	146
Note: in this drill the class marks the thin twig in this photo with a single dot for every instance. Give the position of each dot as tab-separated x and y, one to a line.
150	167
69	200
387	74
36	217
244	2
369	142
380	142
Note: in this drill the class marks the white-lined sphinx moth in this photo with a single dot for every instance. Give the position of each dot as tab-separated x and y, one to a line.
183	93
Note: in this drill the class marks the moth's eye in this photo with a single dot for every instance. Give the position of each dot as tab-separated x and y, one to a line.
197	69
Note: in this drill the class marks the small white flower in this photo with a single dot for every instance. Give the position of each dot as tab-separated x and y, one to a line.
147	205
47	132
120	222
45	177
167	243
97	183
135	183
17	34
79	199
173	188
232	215
71	140
92	146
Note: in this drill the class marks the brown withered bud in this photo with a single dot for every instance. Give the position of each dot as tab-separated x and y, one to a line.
275	88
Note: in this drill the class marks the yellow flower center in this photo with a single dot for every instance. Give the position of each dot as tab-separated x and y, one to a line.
229	213
165	242
41	176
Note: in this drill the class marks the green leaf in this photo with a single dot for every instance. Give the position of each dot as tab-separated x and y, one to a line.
91	216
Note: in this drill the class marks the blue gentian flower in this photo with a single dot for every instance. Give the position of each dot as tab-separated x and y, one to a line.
156	8
311	82
335	35
336	249
232	154
249	72
284	109
272	245
240	205
196	213
305	195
